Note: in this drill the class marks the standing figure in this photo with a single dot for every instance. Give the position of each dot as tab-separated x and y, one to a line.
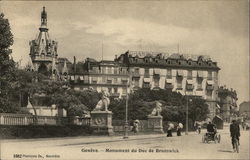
135	128
235	132
179	127
170	128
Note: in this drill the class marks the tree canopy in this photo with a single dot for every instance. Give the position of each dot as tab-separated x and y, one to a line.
142	102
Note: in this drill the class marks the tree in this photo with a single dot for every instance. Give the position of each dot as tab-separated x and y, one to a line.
198	109
77	110
7	66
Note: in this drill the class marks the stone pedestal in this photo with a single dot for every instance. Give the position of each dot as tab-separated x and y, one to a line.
155	124
101	121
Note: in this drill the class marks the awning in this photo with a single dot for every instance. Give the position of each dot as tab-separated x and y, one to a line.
81	78
157	71
190	81
200	73
72	78
210	82
179	72
146	80
169	80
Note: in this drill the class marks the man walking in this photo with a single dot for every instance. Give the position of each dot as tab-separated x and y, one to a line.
235	132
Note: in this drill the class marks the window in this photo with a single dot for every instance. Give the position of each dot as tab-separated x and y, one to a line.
124	81
146	85
109	81
123	70
115	80
104	79
95	69
199	83
109	70
115	70
146	74
169	73
168	85
137	70
209	75
94	80
189	75
179	82
215	75
115	90
136	82
156	82
189	87
209	93
110	90
103	70
124	90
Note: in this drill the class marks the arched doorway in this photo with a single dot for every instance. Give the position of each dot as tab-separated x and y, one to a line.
43	69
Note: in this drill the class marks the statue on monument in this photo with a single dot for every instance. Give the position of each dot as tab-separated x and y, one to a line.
103	104
157	110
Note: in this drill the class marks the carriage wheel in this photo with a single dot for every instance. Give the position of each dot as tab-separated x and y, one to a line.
218	138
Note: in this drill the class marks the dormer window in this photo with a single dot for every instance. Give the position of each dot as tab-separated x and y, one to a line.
156	61
179	63
199	63
189	63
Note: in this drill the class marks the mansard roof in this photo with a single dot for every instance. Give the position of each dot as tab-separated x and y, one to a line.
175	60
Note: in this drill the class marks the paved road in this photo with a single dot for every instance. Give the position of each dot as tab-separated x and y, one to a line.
162	147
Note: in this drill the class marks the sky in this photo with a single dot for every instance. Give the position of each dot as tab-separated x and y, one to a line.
84	29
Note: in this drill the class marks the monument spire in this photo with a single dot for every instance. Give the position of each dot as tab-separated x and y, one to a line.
43	21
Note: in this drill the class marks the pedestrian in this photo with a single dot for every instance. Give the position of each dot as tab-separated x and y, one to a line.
235	133
136	126
169	131
179	127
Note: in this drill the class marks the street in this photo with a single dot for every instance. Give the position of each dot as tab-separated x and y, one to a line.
136	147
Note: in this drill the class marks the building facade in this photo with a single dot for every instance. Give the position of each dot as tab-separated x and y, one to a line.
187	74
228	103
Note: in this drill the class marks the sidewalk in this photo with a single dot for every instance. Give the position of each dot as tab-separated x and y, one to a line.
67	141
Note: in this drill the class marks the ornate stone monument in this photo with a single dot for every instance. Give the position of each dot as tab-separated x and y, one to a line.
101	117
155	119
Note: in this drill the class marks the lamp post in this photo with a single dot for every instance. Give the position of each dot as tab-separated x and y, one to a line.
126	112
187	114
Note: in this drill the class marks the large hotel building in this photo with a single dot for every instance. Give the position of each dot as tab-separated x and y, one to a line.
187	74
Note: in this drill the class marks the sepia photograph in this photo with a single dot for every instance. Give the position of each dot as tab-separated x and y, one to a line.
124	79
